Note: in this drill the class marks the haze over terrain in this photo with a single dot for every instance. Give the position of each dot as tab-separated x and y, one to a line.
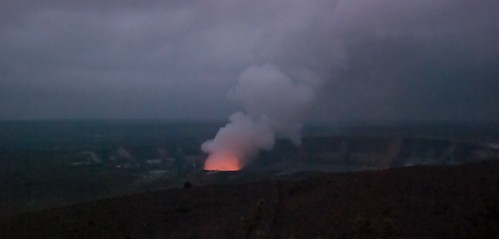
360	59
249	118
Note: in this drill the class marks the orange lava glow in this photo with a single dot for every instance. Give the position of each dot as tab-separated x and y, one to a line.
222	162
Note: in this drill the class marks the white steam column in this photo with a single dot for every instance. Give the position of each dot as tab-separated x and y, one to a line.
273	105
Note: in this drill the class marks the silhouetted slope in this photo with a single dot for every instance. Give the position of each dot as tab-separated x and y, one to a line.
416	202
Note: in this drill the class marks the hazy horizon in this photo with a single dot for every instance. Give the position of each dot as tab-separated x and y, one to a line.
358	60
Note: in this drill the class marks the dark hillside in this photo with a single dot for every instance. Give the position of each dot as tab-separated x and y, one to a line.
415	202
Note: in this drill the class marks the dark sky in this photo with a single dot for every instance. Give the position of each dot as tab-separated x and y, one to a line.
367	59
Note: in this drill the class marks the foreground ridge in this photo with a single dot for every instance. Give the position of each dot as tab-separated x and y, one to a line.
415	202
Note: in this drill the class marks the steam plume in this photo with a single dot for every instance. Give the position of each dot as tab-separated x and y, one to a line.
277	97
273	105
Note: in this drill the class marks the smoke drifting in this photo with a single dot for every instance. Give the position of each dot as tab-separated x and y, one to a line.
294	49
274	105
361	59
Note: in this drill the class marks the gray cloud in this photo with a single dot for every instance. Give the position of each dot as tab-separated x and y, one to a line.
383	59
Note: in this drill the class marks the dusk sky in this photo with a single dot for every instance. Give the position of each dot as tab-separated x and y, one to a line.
362	59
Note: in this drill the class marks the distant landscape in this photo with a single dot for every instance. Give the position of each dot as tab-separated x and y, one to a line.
54	163
249	119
